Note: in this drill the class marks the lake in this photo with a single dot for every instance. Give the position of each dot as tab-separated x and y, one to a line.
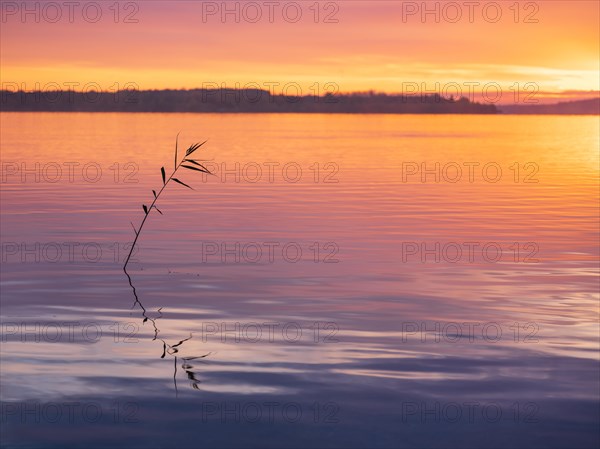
340	281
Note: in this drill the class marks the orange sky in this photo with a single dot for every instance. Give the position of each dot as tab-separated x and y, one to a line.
372	46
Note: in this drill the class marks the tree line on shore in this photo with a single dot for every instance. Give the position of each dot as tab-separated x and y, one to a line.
235	100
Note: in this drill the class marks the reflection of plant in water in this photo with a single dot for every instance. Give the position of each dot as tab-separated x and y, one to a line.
167	348
189	163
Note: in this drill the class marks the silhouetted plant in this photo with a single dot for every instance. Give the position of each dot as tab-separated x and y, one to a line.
192	164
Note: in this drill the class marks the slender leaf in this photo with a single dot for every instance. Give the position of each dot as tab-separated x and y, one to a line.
164	176
199	357
192	161
193	148
190	149
176	142
198	160
154	192
192	376
145	208
189	167
182	341
181	182
145	319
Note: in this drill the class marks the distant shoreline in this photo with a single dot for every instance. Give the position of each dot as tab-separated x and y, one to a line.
260	101
234	101
499	114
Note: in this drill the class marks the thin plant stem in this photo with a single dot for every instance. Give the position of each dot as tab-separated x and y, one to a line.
139	230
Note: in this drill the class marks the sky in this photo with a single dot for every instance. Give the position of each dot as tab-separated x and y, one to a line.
505	51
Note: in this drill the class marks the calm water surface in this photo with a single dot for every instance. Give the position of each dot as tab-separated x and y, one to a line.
327	298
